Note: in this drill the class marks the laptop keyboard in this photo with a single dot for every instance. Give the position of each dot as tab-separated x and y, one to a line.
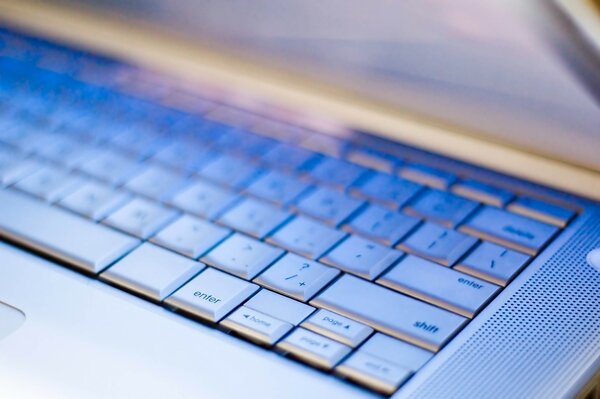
352	260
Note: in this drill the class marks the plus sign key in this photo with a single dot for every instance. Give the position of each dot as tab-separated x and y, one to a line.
297	277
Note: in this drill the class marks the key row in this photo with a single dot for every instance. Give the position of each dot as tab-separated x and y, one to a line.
439	206
258	219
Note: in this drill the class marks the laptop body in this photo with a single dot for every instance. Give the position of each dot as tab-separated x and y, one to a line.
538	337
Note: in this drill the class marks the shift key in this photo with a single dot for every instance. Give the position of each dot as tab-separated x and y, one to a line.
392	313
509	229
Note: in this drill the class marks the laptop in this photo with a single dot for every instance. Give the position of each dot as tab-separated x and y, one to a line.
291	200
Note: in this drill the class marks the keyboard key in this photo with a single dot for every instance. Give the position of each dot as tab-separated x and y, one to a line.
373	372
244	143
387	190
426	175
439	285
289	158
280	131
390	312
232	116
330	206
306	237
111	167
94	200
230	171
510	230
152	271
190	236
297	277
362	257
65	151
493	263
185	155
204	199
254	217
372	159
542	211
211	295
324	144
313	348
338	327
441	207
396	351
49	183
138	141
438	244
13	167
256	326
242	256
24	136
279	306
336	172
156	183
140	217
482	192
382	224
277	187
60	234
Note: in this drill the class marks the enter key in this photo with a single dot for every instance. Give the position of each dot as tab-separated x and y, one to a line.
439	285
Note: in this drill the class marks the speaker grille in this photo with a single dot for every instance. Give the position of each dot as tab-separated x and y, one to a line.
539	341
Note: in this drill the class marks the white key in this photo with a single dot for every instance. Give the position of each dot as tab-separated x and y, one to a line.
59	233
256	326
314	348
373	372
230	171
362	257
439	285
188	156
542	211
279	306
328	205
140	217
277	187
49	184
254	217
382	224
211	295
242	256
297	277
111	167
155	182
15	167
204	199
390	312
493	263
94	200
65	151
340	328
437	243
190	236
396	351
152	271
307	237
